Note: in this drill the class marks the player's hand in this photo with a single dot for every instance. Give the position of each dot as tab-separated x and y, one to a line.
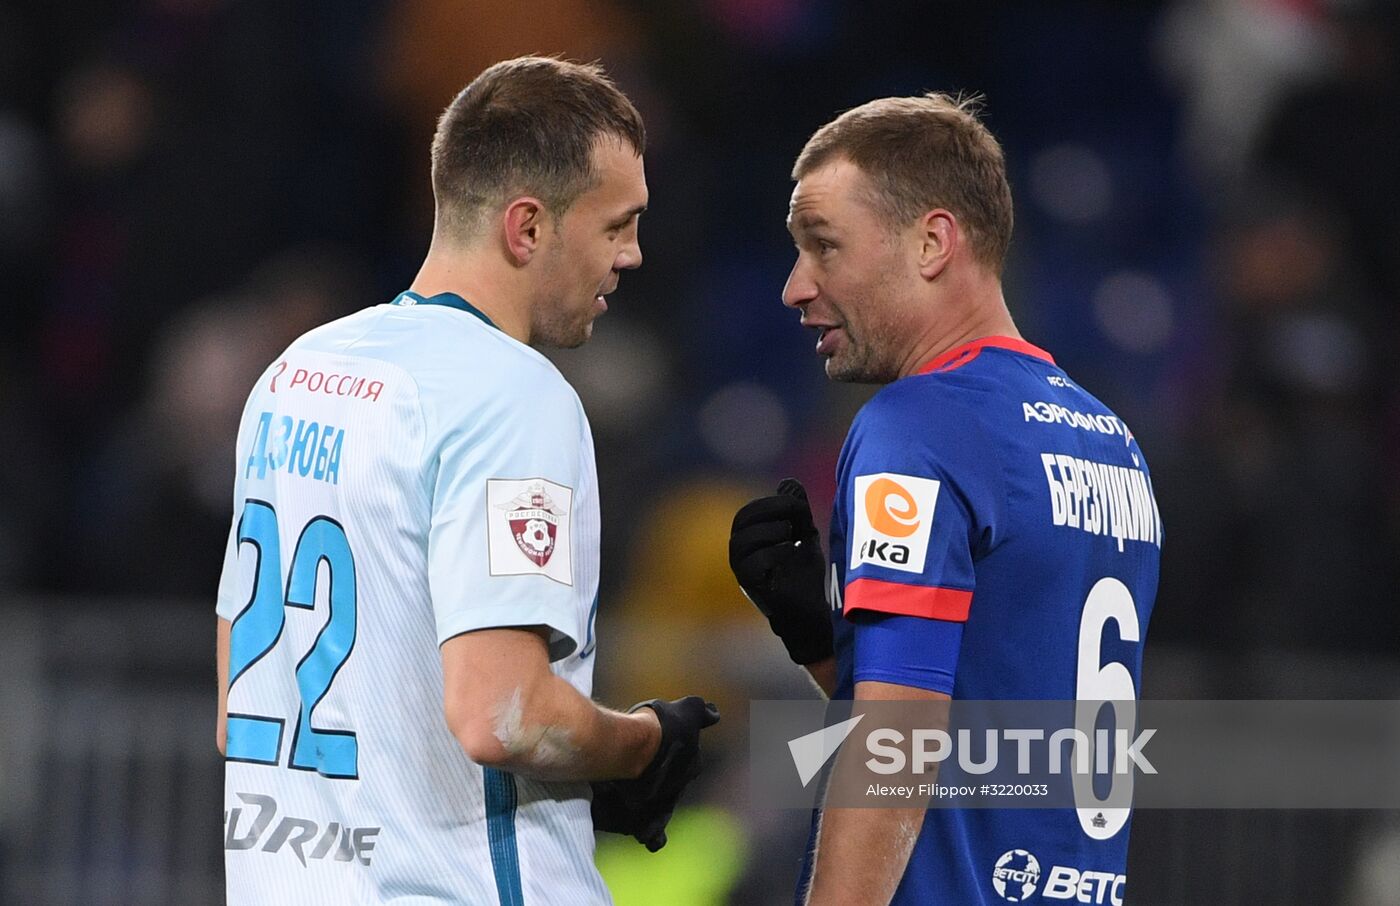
642	807
776	554
617	812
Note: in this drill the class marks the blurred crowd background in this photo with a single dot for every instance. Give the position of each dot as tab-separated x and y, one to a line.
1207	237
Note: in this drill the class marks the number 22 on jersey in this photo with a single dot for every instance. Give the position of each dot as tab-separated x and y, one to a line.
257	738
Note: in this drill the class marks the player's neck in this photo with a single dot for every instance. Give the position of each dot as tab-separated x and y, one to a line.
980	312
467	273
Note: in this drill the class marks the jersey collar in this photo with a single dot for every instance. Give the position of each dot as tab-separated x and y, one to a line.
451	300
960	356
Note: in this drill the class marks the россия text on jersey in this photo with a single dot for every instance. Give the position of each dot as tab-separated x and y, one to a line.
299	447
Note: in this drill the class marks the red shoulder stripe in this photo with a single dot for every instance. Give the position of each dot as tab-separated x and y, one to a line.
931	602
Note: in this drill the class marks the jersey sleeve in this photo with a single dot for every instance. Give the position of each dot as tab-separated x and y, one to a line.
234	588
503	523
923	492
907	651
228	604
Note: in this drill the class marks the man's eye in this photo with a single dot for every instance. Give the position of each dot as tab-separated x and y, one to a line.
824	246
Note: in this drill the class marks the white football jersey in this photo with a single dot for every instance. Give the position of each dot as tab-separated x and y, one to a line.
404	475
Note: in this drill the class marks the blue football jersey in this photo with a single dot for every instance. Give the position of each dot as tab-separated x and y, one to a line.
990	502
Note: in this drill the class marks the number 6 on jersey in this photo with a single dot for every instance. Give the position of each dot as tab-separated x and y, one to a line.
1098	683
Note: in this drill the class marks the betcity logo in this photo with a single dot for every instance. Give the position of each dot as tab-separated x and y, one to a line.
341	844
1017	874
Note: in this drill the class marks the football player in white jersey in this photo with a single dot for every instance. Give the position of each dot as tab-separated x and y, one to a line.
407	606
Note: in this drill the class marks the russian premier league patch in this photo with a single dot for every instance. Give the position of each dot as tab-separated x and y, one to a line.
528	528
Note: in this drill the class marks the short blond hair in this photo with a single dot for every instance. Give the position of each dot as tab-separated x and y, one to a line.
922	153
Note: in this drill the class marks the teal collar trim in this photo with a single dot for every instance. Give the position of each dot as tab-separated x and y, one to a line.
451	300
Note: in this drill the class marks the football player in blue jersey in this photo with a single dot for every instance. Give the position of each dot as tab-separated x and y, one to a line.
994	535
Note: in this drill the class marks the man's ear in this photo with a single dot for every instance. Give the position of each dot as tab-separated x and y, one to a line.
524	221
940	234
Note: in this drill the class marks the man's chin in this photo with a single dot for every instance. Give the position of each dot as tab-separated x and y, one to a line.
836	371
567	339
583	336
839	368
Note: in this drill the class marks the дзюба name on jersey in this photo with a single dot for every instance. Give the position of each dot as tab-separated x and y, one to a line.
298	447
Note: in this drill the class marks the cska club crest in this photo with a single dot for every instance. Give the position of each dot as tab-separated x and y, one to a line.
534	523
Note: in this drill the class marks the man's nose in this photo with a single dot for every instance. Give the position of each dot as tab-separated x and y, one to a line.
799	289
629	257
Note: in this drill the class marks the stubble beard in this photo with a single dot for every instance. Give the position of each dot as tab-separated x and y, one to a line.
554	324
558	328
868	358
861	368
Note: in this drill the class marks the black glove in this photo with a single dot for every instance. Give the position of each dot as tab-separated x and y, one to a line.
776	554
642	807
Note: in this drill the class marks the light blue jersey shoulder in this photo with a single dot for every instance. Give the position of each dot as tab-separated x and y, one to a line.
461	366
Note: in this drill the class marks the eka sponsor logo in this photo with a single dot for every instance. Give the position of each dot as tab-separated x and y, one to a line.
893	520
302	837
1017	874
332	383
